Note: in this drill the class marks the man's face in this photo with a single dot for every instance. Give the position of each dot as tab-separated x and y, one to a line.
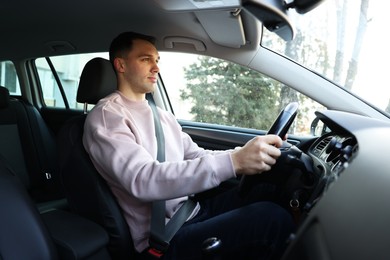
140	67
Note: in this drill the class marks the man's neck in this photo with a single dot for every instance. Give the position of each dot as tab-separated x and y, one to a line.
131	95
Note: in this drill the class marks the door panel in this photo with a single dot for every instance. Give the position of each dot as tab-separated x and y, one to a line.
217	137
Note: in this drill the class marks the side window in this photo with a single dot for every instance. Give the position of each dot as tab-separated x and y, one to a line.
68	69
210	90
8	78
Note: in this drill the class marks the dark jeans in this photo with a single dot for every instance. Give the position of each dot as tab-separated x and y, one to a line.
249	228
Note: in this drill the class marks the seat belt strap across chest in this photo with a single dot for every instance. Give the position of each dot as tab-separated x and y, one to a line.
161	234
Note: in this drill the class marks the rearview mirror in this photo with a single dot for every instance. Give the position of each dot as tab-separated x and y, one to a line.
273	14
304	6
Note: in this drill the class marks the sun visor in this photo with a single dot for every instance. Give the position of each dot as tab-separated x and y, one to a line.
193	5
220	19
223	27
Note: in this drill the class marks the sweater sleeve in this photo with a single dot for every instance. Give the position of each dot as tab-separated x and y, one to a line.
123	159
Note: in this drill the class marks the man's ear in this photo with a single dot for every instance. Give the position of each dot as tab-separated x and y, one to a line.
119	64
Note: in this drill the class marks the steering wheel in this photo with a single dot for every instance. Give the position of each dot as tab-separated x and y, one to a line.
280	128
284	120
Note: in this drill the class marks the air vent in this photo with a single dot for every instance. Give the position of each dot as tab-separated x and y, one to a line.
321	145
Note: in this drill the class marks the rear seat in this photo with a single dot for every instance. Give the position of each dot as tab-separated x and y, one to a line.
54	234
29	148
28	155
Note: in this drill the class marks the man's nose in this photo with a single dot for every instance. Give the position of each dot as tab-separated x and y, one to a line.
155	68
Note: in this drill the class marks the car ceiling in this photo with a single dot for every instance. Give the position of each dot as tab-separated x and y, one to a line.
47	28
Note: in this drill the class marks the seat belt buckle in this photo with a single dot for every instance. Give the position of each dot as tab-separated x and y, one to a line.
157	247
155	253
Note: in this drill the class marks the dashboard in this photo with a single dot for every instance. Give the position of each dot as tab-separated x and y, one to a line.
350	218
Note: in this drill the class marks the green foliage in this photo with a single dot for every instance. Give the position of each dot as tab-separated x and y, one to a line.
225	93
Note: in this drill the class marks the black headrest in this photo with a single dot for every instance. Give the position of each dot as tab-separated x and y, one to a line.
4	97
97	80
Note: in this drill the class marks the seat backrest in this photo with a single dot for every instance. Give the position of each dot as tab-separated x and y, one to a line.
22	232
29	147
87	192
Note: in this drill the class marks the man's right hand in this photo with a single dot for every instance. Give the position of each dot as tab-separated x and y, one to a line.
257	155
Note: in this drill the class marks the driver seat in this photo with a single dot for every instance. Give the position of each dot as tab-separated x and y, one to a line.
87	192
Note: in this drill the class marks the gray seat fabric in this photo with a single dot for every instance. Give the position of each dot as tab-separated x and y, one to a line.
87	192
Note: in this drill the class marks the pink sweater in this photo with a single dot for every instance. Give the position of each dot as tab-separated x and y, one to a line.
119	137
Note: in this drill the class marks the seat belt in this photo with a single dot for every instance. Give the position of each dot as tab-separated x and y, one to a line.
161	234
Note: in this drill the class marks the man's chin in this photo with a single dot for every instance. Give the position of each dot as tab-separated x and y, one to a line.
152	88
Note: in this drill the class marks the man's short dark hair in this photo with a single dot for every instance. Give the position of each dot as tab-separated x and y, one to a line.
123	43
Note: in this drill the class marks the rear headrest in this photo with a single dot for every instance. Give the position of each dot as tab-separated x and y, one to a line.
4	97
97	80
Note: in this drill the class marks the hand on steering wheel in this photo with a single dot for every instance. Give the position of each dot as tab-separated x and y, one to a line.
280	128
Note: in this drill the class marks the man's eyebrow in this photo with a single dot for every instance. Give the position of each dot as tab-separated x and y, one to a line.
148	55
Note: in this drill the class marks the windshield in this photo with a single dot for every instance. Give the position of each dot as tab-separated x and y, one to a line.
344	41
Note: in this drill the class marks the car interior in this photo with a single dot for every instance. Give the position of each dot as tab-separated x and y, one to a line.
57	206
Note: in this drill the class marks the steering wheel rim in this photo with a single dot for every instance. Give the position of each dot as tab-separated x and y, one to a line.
284	120
280	127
